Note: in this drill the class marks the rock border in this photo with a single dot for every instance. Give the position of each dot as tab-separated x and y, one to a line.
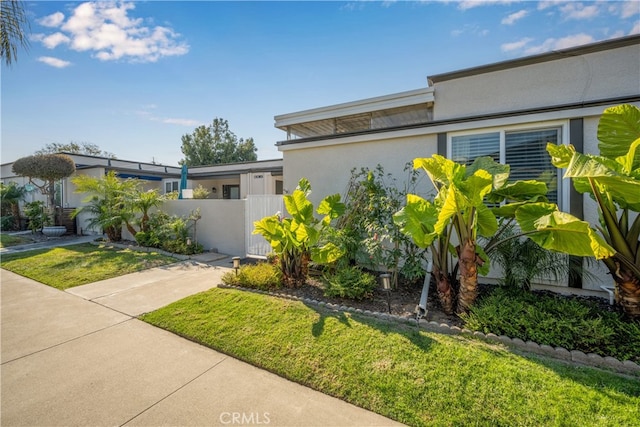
560	353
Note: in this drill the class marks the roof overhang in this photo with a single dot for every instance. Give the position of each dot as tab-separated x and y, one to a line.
275	167
396	100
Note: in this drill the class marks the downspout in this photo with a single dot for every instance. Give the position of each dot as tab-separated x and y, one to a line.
421	308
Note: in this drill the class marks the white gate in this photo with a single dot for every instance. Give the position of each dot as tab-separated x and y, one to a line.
257	207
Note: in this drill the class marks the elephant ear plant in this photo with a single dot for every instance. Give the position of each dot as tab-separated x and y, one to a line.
298	238
461	210
613	181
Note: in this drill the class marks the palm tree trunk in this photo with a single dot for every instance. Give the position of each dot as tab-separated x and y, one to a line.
468	276
444	290
627	291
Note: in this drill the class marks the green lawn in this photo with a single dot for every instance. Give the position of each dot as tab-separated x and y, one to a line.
416	377
7	240
75	265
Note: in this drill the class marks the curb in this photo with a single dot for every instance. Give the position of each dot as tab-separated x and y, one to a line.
560	353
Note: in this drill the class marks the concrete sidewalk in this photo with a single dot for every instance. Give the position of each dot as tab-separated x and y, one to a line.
82	358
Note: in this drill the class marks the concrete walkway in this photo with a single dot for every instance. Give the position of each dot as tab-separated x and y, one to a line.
82	358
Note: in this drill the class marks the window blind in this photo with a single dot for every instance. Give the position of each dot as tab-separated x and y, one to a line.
465	148
526	153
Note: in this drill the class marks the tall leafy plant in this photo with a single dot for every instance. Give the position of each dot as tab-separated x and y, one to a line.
299	238
462	210
612	179
367	230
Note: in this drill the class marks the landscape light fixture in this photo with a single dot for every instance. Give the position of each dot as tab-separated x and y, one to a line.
385	278
236	263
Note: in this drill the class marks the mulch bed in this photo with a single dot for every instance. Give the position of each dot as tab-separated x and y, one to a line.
403	301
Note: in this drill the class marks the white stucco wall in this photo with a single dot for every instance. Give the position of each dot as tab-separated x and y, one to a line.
328	169
221	226
594	76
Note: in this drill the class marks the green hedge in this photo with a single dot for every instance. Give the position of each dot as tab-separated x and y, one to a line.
557	321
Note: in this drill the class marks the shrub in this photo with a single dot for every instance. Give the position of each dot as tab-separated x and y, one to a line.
36	215
170	233
349	282
264	276
200	192
6	222
557	321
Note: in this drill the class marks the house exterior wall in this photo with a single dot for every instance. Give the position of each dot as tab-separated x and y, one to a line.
592	76
329	169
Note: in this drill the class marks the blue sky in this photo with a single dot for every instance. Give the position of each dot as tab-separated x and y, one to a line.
133	77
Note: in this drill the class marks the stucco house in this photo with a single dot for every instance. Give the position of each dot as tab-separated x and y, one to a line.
508	110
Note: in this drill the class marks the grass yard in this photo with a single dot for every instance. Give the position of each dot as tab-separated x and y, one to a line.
7	240
416	377
75	265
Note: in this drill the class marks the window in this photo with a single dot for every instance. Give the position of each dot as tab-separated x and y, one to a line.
524	150
171	186
230	191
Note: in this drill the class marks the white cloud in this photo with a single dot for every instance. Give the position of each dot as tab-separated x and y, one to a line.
542	5
578	11
55	39
508	47
562	43
470	29
54	62
182	122
629	9
107	31
512	18
635	29
469	4
53	20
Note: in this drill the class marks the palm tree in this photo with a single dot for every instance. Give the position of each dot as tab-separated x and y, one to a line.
11	195
108	202
13	21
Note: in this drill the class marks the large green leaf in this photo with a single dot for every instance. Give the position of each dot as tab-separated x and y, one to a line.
326	254
477	186
561	155
520	191
417	220
452	203
498	172
487	222
440	169
298	206
618	128
331	207
548	227
623	189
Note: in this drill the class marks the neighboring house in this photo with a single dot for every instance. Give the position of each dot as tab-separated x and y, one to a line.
225	181
507	110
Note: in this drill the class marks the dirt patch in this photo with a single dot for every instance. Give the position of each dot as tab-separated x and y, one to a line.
403	301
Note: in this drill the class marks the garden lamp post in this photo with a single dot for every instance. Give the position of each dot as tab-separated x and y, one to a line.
385	278
236	263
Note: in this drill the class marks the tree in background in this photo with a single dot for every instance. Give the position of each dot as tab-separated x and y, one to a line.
85	148
216	144
13	22
48	168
